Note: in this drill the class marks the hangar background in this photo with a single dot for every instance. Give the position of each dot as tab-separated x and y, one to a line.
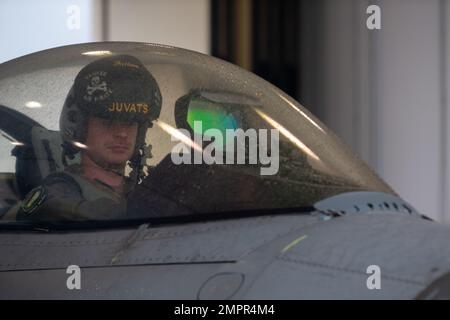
385	92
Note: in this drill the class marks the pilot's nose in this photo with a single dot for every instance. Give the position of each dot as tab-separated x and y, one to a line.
121	131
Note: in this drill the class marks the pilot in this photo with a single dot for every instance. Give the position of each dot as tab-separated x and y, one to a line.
104	120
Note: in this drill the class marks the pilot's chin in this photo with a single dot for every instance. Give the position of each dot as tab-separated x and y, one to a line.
119	162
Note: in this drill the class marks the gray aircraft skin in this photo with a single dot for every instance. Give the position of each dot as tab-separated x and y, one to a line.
316	245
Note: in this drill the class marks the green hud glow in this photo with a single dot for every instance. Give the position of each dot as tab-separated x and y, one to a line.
212	116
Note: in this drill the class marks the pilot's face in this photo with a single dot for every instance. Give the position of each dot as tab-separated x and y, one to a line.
109	141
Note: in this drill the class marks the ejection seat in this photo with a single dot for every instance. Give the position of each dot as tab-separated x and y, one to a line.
38	153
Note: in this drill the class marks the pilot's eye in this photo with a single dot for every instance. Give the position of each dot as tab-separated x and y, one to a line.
106	122
117	124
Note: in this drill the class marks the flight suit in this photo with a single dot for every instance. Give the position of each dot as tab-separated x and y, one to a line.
69	196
